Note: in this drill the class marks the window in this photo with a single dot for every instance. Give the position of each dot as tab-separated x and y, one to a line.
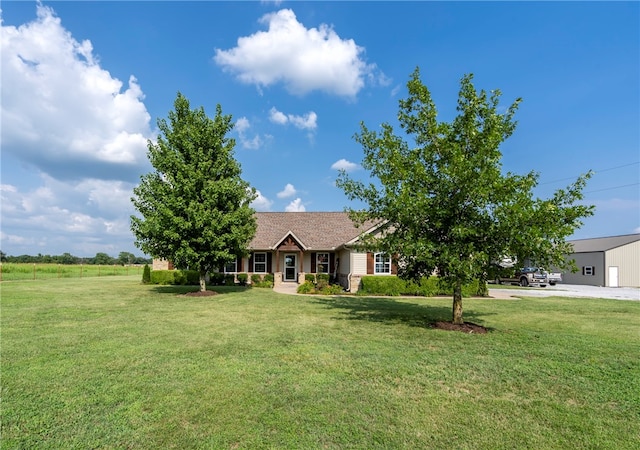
382	263
231	267
322	263
588	270
260	262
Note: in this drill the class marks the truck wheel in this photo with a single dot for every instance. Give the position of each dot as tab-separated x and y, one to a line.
524	282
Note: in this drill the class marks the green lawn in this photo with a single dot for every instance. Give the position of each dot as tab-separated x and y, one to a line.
110	363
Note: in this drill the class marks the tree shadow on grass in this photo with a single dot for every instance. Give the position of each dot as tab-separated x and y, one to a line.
181	290
388	311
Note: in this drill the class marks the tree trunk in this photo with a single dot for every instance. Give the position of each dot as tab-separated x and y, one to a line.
457	303
203	283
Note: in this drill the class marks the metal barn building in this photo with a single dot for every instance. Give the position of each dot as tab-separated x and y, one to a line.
609	261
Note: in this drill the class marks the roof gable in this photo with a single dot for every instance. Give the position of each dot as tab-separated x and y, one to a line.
313	230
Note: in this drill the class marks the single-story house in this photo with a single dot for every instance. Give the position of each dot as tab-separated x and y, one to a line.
607	261
291	244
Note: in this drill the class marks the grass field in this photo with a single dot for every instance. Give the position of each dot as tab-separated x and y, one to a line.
20	271
111	363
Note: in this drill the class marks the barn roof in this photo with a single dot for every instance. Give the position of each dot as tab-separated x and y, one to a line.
603	243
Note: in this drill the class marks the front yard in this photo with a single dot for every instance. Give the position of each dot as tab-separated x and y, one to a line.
112	363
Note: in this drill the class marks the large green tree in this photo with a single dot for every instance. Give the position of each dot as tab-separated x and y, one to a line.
195	207
446	204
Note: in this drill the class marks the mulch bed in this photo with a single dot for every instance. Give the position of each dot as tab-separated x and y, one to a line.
466	327
201	294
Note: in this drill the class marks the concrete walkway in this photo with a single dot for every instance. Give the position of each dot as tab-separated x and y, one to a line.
287	288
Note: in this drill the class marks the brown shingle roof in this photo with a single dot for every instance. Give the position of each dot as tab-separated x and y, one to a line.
315	230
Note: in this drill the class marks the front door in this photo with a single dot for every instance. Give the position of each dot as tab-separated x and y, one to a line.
290	272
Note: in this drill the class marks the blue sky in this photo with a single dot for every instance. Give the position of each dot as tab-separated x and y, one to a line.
84	83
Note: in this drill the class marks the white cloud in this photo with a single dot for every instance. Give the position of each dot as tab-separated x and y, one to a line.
636	230
303	59
288	191
82	218
305	122
261	203
295	206
395	90
62	112
278	117
242	126
345	165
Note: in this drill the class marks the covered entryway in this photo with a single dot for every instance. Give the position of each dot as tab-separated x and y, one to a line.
289	259
290	267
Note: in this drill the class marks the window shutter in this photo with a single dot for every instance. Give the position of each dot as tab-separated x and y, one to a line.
313	263
250	263
332	262
239	262
370	263
268	262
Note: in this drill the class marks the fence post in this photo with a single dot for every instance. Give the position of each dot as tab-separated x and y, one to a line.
80	270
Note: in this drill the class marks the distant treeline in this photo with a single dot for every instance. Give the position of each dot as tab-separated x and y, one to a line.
123	259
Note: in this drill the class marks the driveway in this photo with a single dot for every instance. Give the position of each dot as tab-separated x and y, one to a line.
568	290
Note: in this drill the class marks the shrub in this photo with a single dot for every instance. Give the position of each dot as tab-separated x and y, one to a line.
179	278
427	287
331	289
146	274
256	278
381	285
229	280
310	277
163	277
306	288
216	279
192	277
322	278
264	282
242	278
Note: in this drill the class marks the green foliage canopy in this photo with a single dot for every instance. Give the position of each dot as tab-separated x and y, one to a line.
446	204
195	206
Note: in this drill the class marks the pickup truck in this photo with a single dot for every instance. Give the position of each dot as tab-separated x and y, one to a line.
554	278
526	276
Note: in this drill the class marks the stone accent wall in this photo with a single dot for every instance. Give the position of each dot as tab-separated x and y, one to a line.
277	279
355	283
